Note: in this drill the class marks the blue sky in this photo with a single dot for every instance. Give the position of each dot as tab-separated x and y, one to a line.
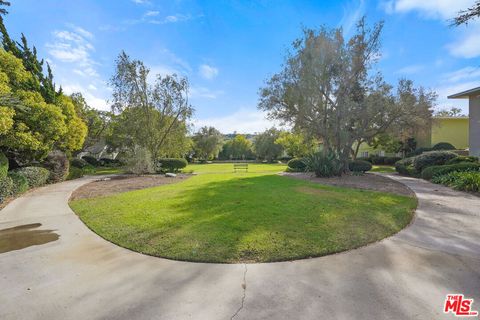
228	48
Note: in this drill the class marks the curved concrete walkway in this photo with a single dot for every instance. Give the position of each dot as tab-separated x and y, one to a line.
81	276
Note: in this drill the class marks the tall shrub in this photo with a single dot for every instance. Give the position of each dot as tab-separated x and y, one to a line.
58	165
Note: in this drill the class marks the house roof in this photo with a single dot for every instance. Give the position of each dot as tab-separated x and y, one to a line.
465	94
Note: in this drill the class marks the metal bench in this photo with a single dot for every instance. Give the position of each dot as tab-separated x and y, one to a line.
240	166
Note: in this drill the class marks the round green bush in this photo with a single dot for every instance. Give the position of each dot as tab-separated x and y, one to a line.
20	183
36	176
432	158
359	166
75	173
57	163
171	164
405	166
443	146
6	188
78	163
460	159
3	165
434	171
296	164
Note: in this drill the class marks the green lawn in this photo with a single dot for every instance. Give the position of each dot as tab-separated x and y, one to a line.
253	217
106	170
385	169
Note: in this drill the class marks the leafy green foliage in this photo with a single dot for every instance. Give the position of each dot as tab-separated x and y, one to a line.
433	171
359	166
171	164
3	165
207	143
75	173
296	165
432	158
464	181
443	146
295	144
140	161
78	163
91	160
405	166
238	148
36	176
6	188
323	165
265	145
462	159
20	182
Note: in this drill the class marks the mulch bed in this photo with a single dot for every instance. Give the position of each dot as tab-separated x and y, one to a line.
123	183
366	181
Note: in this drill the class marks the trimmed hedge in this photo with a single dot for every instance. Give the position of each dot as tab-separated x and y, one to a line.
75	173
443	146
171	164
78	163
460	159
20	183
432	158
434	171
3	165
6	188
296	164
36	176
359	166
380	160
405	166
418	151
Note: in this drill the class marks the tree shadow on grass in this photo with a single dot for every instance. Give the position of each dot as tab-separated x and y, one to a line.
273	218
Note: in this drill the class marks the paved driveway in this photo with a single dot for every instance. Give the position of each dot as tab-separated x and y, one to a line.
75	274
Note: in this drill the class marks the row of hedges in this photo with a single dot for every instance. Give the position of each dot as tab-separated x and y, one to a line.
15	182
444	167
381	160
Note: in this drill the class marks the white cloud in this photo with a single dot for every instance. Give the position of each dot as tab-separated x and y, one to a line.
242	121
435	9
352	12
462	74
151	13
445	90
410	69
92	99
141	1
468	45
207	72
171	19
72	46
202	92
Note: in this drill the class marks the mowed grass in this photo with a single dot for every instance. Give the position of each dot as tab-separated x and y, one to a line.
257	216
384	169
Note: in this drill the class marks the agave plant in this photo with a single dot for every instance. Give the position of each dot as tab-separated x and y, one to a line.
323	164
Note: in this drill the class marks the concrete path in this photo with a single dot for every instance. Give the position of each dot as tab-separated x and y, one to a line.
81	276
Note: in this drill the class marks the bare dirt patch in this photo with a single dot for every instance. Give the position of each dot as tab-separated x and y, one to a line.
122	183
367	181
